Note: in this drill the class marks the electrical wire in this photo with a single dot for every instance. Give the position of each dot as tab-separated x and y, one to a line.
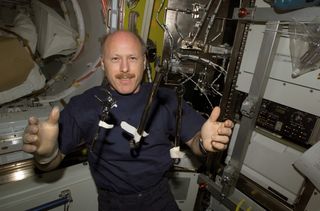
213	82
197	85
212	19
203	60
165	28
157	15
221	30
204	17
176	25
188	77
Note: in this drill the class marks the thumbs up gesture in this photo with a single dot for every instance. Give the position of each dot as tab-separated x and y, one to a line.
215	135
41	137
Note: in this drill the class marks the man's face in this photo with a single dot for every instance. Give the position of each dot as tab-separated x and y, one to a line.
123	62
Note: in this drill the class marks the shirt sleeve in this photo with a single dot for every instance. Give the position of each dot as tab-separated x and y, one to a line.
69	131
191	122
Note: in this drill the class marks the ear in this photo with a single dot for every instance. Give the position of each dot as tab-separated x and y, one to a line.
102	63
144	63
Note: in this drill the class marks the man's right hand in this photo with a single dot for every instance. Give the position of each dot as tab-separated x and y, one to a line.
40	137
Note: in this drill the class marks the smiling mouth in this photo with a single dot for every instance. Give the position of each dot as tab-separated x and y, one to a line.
123	76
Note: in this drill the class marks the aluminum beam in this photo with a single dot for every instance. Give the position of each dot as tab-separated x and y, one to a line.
251	106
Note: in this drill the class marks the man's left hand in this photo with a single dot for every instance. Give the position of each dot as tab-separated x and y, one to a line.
215	135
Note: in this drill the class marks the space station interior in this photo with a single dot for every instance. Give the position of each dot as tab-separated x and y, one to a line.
258	60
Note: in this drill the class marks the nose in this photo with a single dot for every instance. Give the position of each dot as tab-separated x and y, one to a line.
124	66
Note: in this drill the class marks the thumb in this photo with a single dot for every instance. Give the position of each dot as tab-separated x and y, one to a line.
54	115
215	114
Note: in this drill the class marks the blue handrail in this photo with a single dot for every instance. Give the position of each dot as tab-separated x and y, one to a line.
65	198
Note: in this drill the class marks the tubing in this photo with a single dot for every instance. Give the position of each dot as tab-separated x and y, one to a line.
81	29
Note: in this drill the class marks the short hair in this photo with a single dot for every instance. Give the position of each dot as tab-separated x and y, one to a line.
107	36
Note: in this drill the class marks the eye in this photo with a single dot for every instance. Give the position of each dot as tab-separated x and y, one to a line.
115	59
133	58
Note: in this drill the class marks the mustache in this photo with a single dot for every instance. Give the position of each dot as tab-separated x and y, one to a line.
125	76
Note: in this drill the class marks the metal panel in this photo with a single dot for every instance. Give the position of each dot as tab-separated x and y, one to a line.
269	163
281	87
37	190
184	187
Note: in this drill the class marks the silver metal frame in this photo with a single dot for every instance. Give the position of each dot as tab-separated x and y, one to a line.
250	107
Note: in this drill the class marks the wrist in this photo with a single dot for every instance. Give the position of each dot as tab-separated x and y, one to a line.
201	147
42	160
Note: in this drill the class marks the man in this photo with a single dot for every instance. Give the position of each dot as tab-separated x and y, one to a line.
125	180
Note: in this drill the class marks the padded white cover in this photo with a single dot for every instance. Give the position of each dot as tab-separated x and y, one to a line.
34	81
24	27
56	37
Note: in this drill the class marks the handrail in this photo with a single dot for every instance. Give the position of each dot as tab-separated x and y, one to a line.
64	199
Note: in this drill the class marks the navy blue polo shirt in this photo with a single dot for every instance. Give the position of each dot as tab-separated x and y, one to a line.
112	164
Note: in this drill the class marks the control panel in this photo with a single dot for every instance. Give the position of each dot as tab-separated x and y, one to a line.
289	123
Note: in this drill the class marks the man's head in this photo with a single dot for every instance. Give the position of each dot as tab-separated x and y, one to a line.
123	60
